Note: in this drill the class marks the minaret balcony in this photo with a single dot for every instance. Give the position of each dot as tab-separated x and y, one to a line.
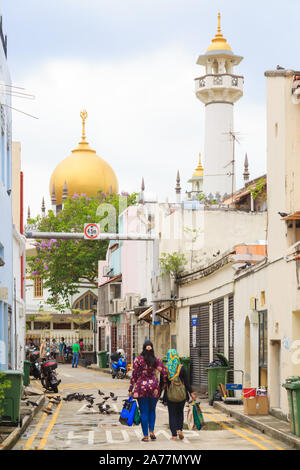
219	87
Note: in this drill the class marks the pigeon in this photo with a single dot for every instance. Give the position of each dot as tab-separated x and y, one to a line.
32	403
47	411
107	407
89	406
106	398
112	394
115	398
282	214
101	393
280	68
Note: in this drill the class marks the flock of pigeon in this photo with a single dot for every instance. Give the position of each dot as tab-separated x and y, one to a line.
103	407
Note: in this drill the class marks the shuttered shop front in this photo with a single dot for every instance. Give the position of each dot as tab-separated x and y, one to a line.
218	327
199	344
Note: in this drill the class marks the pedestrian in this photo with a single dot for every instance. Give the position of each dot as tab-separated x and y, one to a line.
62	348
145	386
47	345
178	376
81	346
76	350
53	348
43	349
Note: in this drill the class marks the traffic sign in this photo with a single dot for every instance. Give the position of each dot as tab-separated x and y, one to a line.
91	231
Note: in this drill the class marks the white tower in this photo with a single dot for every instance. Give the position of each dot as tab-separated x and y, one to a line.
219	89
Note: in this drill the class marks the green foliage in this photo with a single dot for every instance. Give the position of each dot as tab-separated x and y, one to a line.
62	264
258	188
4	384
172	263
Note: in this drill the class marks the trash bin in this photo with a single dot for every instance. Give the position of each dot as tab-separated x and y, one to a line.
216	375
102	359
26	378
12	397
186	362
292	386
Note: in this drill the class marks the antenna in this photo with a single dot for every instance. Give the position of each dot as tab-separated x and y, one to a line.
233	136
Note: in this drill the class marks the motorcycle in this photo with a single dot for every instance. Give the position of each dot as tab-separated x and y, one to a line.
34	355
118	365
48	375
68	354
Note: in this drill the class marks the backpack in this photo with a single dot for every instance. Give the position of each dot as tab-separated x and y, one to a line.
176	391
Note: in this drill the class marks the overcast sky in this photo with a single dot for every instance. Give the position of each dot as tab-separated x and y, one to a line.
132	64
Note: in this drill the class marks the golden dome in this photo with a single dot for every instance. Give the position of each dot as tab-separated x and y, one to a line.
83	171
219	42
199	170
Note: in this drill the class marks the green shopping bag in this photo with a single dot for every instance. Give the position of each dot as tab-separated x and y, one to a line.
198	416
137	417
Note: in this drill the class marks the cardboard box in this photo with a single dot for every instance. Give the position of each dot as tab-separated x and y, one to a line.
256	406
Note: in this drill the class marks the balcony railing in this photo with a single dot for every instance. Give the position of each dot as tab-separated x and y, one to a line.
224	80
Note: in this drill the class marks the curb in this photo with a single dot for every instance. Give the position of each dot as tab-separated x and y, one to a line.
14	436
289	439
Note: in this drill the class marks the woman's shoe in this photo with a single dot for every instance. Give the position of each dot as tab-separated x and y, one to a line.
145	439
174	438
180	435
152	436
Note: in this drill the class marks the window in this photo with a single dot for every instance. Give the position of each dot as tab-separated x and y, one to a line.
61	326
85	302
38	287
263	339
41	325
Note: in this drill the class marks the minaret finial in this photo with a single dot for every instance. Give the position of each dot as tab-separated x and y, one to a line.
28	214
43	207
246	173
65	191
83	116
143	184
219	23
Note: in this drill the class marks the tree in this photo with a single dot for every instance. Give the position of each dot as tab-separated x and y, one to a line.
172	263
62	264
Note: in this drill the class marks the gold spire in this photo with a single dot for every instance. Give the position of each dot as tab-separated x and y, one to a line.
199	170
83	116
219	42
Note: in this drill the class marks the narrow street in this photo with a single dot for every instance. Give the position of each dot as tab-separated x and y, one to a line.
72	425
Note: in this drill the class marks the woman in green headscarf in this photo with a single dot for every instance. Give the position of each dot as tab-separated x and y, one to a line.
177	393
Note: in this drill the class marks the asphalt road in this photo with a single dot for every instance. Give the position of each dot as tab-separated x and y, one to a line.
73	426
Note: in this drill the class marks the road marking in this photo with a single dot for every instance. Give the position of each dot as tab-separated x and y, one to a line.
87	410
235	432
251	433
49	429
36	430
91	437
110	440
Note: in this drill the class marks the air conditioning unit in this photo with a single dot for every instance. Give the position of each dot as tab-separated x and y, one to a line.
119	305
107	271
132	301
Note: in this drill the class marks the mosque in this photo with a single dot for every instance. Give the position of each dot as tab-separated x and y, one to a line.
84	172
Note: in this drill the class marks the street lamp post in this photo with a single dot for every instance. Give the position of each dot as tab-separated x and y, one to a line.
94	308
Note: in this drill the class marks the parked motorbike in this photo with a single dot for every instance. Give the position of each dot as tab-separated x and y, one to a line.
68	354
48	375
118	364
34	355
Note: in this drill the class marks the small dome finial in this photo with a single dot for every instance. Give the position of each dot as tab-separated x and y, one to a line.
83	115
219	23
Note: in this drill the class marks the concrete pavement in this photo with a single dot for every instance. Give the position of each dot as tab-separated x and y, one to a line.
72	425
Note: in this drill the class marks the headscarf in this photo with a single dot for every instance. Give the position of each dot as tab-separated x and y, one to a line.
173	363
149	356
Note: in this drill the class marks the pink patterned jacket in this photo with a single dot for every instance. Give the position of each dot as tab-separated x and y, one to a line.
145	379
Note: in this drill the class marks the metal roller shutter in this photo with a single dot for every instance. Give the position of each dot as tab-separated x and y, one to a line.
199	344
231	334
218	327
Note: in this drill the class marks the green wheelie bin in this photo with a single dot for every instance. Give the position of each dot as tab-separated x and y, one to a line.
186	361
216	375
292	386
12	398
102	359
26	378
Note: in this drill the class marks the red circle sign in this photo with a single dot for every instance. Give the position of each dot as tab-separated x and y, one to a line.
92	231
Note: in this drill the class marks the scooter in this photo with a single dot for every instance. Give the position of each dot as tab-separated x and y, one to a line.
48	375
118	365
68	354
34	364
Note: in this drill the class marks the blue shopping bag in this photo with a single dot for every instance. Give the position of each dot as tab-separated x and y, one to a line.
128	412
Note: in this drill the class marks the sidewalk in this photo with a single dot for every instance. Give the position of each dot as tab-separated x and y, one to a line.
11	434
96	368
274	427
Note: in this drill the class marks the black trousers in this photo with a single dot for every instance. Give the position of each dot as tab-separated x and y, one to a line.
176	416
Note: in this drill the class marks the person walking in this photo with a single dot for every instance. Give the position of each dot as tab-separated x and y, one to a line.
43	349
62	348
76	349
178	387
145	386
81	346
53	348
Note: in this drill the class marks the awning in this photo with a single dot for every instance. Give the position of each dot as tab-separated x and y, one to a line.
113	279
295	216
146	314
164	313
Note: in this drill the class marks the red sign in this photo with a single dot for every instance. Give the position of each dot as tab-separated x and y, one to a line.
91	231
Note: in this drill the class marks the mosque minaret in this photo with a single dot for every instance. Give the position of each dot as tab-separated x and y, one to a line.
219	89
